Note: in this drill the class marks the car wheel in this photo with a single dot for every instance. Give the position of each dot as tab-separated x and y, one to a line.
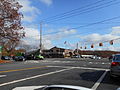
23	59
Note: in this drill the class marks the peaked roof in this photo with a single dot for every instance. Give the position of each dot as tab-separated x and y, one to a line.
56	47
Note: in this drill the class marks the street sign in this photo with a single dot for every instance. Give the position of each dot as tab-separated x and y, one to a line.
0	49
0	52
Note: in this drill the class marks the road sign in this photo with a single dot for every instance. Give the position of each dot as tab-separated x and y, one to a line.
0	49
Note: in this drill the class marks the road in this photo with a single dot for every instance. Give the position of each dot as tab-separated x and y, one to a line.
87	73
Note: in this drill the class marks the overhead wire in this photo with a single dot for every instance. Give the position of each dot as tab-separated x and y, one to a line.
64	13
101	41
82	26
92	23
84	11
87	25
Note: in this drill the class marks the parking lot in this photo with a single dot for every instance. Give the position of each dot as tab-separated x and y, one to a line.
89	73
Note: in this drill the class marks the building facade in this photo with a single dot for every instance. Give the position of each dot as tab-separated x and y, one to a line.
56	52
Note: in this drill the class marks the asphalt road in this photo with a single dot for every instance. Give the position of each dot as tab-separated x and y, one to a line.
89	73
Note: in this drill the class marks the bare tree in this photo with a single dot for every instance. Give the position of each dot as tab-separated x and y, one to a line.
11	30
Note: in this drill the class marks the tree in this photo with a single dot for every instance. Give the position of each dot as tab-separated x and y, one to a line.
11	30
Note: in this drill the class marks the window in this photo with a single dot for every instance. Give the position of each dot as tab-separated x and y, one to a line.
117	58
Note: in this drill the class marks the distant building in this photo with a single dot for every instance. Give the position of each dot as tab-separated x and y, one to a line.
99	53
56	52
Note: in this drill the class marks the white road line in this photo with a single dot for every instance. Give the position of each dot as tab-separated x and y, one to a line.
3	76
33	77
29	87
81	68
99	81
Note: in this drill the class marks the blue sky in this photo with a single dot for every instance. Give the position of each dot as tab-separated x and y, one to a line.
36	10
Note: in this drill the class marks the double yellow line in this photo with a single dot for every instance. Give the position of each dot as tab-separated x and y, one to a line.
22	69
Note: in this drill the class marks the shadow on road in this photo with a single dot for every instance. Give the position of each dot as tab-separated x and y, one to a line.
94	76
113	81
91	76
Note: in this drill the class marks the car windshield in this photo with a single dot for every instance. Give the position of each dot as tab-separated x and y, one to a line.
117	58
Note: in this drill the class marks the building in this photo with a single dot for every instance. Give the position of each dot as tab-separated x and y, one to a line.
56	52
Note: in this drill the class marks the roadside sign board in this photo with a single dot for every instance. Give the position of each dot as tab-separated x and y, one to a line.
0	49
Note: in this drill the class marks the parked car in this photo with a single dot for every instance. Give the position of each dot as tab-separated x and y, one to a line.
115	66
6	58
38	57
19	58
76	56
29	57
96	57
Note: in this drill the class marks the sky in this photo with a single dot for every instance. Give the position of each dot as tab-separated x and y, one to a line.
84	22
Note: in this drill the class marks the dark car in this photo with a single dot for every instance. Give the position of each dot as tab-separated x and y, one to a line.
6	58
76	56
111	57
115	66
19	58
29	57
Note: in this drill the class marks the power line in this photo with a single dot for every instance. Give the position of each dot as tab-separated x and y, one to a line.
102	41
61	14
97	22
72	28
77	23
86	25
84	11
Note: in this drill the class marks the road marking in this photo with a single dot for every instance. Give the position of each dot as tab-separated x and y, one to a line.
99	80
22	69
3	76
33	77
81	68
91	62
29	87
58	61
31	62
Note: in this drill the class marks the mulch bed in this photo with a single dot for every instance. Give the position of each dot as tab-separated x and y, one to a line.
5	61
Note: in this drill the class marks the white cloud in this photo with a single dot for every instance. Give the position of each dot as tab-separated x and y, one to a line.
47	2
29	11
62	33
32	38
47	44
116	30
97	38
32	33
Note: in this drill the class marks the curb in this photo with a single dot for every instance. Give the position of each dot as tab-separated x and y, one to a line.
5	61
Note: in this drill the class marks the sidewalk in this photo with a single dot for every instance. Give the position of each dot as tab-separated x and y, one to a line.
5	61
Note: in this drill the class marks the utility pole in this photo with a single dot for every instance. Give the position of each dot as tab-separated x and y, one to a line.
40	37
77	48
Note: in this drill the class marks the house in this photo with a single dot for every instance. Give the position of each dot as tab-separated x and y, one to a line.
56	52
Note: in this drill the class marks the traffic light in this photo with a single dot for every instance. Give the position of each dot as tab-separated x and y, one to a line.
111	42
92	46
100	44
